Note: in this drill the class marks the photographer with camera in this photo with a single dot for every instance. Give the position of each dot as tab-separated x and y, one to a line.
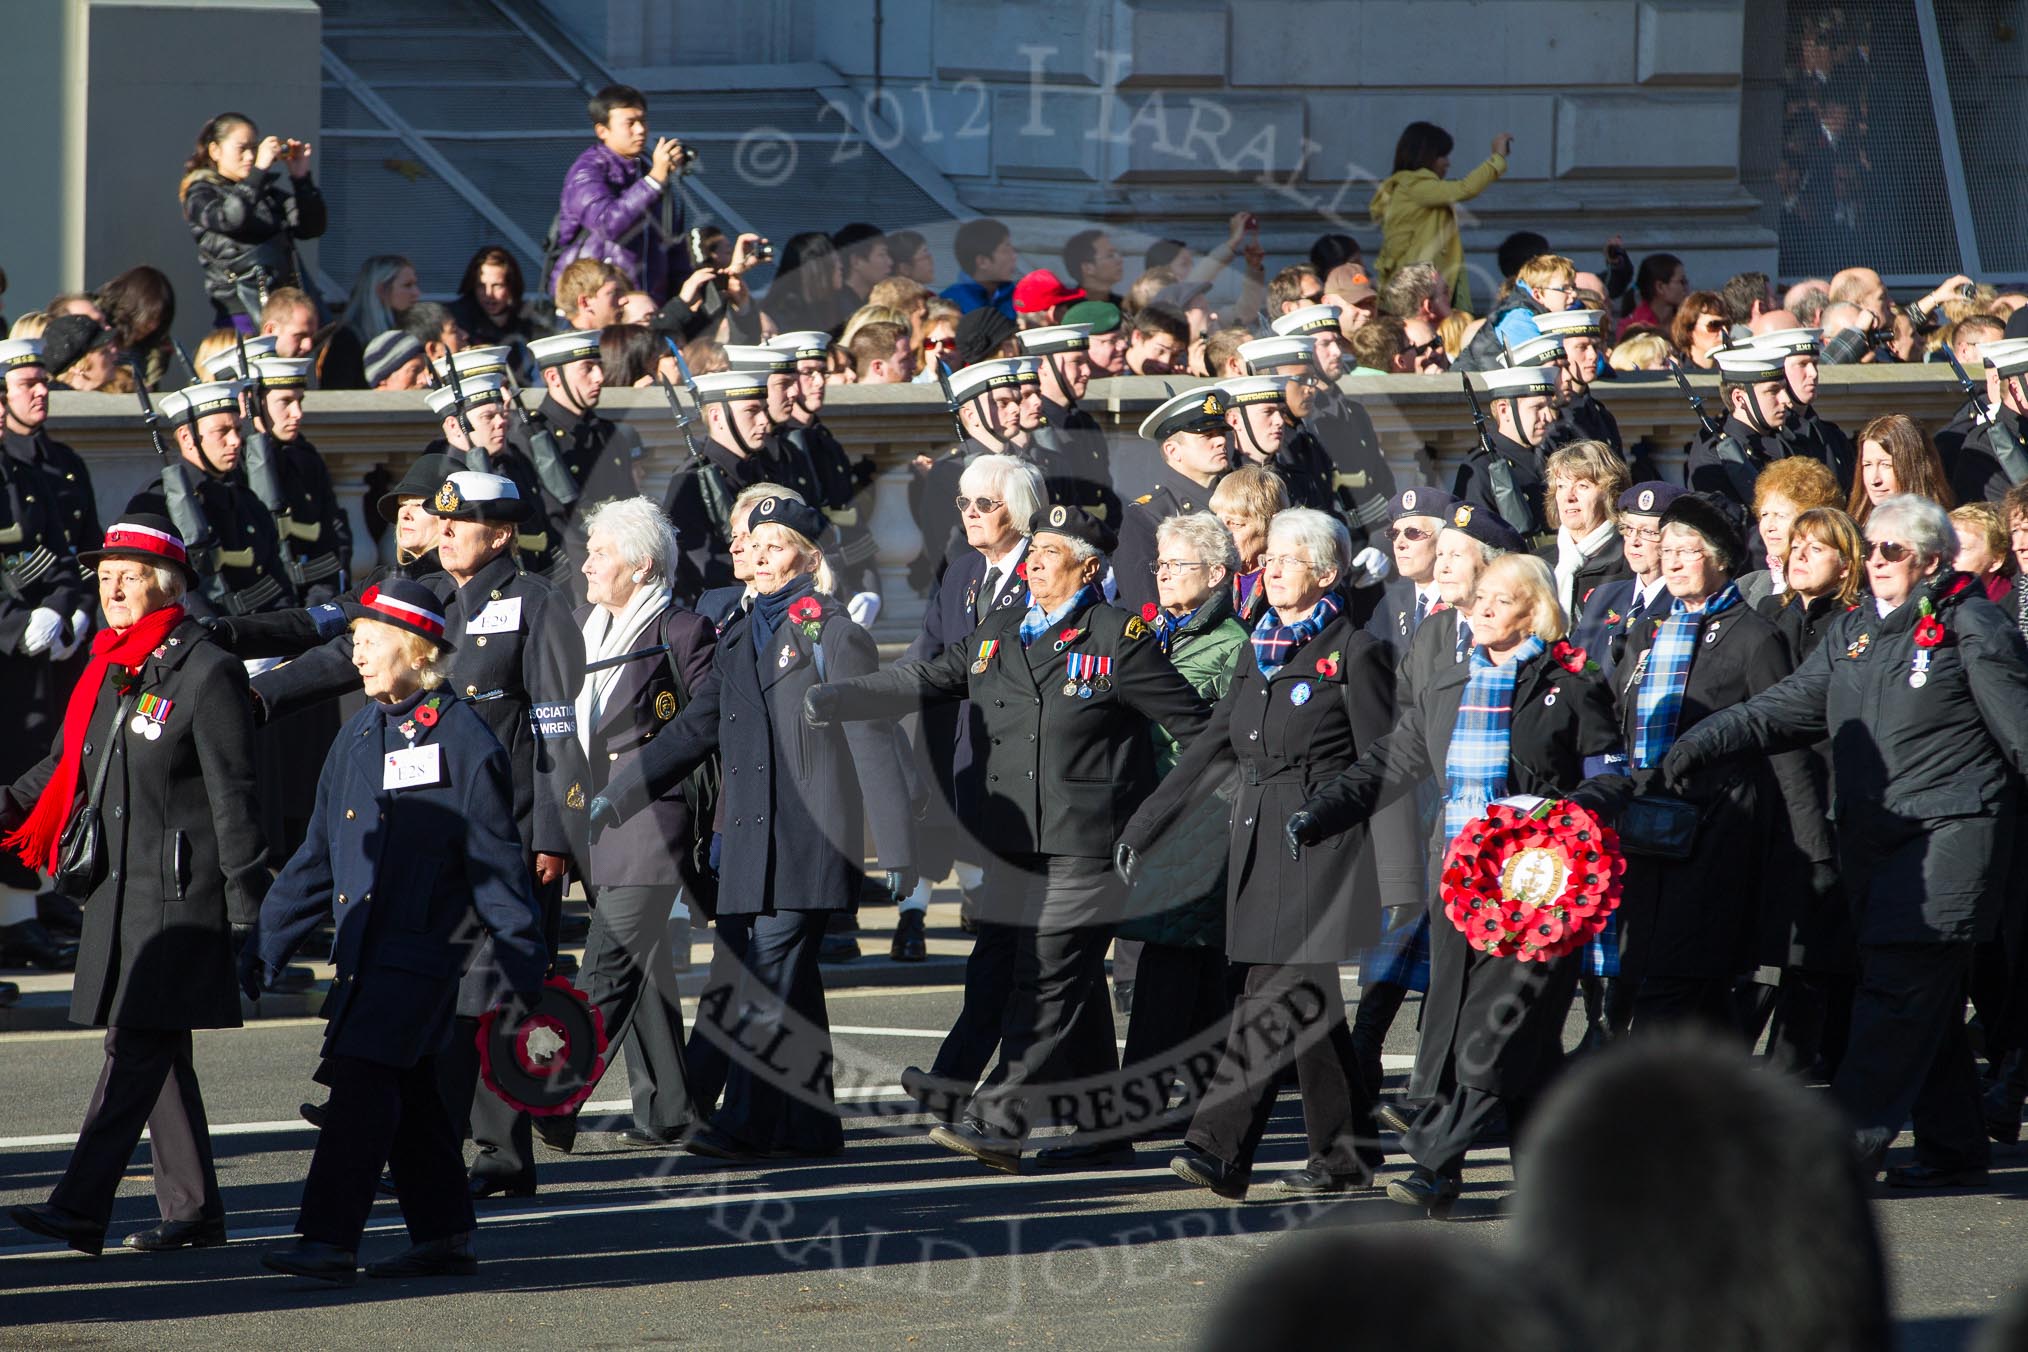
619	204
714	300
245	226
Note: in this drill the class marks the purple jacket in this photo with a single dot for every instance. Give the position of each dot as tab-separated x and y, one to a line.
610	211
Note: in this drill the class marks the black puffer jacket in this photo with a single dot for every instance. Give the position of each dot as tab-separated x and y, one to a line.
253	223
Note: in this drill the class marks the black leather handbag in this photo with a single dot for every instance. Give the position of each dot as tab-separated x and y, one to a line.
81	851
1659	827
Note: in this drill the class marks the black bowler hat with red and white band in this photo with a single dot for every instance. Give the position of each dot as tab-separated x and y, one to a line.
405	605
143	536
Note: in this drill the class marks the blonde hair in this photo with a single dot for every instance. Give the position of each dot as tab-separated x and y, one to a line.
581	279
1983	518
211	345
30	325
1256	490
1532	577
427	657
871	314
1452	331
1639	352
1545	270
807	548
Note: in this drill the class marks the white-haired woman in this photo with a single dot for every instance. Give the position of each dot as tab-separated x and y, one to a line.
1513	718
1923	693
793	812
1310	694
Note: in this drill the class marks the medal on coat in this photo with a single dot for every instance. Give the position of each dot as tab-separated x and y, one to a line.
788	655
665	705
1918	675
150	713
987	647
1299	693
1086	671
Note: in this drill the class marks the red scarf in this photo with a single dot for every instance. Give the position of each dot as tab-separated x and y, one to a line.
37	838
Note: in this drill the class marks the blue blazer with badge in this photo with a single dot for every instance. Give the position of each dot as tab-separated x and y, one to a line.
1609	619
423	882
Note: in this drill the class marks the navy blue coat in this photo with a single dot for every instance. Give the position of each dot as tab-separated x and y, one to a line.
796	799
1609	619
423	883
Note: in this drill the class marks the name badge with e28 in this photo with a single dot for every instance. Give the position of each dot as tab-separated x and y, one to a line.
414	768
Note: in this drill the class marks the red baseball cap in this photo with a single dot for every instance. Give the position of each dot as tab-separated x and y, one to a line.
1041	289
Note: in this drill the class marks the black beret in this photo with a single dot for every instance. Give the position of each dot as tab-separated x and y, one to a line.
799	517
1076	523
1420	501
1703	513
1651	497
1486	526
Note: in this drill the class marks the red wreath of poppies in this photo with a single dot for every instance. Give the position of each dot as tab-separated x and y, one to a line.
1532	885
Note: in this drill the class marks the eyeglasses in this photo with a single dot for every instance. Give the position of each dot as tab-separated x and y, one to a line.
1166	567
1412	534
1683	553
984	505
1283	561
1890	550
1711	325
940	345
1642	535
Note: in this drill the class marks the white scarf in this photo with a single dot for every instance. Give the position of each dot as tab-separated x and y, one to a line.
609	635
1571	553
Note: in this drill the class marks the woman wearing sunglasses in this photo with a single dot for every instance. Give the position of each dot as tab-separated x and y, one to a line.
1700	327
1923	692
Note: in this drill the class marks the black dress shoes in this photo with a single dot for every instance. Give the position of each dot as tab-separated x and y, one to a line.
80	1232
1929	1176
60	915
559	1133
9	994
28	944
450	1256
971	1138
714	1144
168	1235
1434	1193
483	1186
1206	1170
1080	1150
909	944
648	1140
317	1261
1314	1180
313	1113
838	947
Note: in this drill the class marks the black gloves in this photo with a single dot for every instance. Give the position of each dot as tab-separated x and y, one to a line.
1679	763
251	976
820	706
1125	862
1302	829
600	814
901	882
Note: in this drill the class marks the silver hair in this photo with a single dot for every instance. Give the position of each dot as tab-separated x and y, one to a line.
1080	549
1487	553
639	531
1018	483
1204	535
753	493
1321	536
1916	522
170	582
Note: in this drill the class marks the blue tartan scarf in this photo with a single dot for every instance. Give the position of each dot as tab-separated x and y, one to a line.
1475	769
1660	702
1035	623
1274	643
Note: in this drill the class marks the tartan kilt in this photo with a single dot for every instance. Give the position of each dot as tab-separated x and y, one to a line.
1602	954
1401	957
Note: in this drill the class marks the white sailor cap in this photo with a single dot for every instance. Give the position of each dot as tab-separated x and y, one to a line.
561	349
486	388
1309	319
803	344
199	401
2007	356
1788	342
1540	350
1027	370
1271	354
225	365
1196	410
1054	338
1572	323
1241	390
284	373
969	382
475	361
1748	364
770	360
20	352
722	387
1518	382
476	495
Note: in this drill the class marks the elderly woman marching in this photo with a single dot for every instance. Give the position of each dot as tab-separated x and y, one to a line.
794	802
1310	695
1923	693
157	744
1521	714
414	853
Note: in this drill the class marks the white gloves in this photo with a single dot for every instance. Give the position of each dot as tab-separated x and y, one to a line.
864	608
80	630
44	628
1373	563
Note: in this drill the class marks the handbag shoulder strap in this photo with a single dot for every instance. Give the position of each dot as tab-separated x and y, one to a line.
106	761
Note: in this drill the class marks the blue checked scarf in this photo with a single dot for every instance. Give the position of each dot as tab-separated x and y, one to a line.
1660	702
1475	771
1034	624
1274	643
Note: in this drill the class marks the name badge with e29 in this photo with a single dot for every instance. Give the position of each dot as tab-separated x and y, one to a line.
416	767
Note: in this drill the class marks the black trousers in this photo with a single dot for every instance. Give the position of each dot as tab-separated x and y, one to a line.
967	1050
384	1115
1674	1001
147	1079
629	977
1284	1015
1180	996
1057	995
1909	1057
704	1057
778	1036
505	1141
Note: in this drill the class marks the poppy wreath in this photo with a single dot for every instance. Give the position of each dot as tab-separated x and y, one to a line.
808	614
1532	884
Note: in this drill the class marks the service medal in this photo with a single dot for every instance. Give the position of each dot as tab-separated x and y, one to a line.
1084	692
1299	693
979	667
1070	687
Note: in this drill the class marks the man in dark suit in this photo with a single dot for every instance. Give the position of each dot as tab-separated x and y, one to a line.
1616	607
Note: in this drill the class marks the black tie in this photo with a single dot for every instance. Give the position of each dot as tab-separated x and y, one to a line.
1421	609
986	589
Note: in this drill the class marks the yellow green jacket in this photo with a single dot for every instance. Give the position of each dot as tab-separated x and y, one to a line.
1417	215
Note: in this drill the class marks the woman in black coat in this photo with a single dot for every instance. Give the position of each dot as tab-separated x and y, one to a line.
1690	928
1492	1026
1312	692
245	226
413	852
159	732
1923	692
793	809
